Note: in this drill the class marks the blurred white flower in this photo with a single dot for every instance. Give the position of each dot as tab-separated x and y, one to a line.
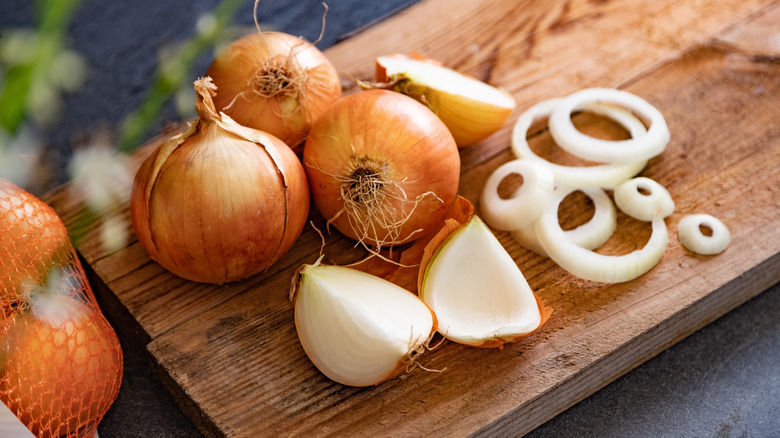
114	235
101	176
18	155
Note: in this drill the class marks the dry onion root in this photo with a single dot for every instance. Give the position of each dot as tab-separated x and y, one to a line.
604	175
477	292
274	82
382	168
593	266
356	328
689	231
471	109
220	202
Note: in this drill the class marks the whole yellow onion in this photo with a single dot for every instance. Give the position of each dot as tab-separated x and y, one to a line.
219	202
275	82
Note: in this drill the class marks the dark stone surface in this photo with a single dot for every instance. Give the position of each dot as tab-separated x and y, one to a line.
723	381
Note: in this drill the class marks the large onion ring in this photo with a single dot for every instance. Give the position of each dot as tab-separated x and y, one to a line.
527	203
691	237
623	151
605	175
590	235
593	266
657	203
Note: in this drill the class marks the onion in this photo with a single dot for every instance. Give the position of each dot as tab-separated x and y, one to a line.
478	293
624	151
525	205
356	328
382	168
471	109
593	266
219	202
689	231
274	82
604	175
590	235
644	199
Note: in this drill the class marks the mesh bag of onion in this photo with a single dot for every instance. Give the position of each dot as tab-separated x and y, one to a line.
60	360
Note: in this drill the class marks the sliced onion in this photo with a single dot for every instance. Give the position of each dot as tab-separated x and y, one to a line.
593	266
657	203
590	235
605	175
527	203
608	151
691	236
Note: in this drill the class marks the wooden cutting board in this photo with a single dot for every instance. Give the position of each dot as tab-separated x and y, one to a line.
230	354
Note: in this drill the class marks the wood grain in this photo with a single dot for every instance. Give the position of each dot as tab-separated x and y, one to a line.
230	353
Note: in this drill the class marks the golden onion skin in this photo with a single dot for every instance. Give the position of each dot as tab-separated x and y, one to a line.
314	86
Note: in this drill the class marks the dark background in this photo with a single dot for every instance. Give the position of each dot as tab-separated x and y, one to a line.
723	381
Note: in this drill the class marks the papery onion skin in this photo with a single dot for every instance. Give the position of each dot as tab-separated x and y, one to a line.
314	85
213	206
399	139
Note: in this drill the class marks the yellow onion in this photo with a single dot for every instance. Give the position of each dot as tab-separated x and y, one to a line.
219	202
382	168
471	109
275	82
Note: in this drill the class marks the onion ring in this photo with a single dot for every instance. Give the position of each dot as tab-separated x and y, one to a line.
691	237
608	151
656	204
527	203
605	175
593	266
590	235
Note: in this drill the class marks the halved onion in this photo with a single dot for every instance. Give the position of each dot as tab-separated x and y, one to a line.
527	203
478	293
593	266
607	151
357	328
604	175
471	109
689	231
644	199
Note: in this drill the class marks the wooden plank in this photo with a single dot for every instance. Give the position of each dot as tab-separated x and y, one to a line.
720	108
598	331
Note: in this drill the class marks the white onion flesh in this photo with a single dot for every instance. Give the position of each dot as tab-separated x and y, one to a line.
691	236
603	175
477	291
358	329
606	151
593	266
525	205
590	235
657	203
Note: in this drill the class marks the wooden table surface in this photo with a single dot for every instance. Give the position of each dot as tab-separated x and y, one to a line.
230	356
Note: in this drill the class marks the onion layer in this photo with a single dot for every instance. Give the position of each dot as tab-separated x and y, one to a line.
605	175
624	151
593	266
691	236
527	203
383	169
590	235
644	199
274	82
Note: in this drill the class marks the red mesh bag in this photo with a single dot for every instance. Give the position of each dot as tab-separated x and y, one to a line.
60	360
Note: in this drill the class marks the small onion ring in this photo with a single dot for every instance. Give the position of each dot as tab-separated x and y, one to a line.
590	235
605	175
657	204
527	203
691	237
623	151
593	266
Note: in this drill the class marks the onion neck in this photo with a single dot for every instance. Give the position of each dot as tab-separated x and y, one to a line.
204	106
